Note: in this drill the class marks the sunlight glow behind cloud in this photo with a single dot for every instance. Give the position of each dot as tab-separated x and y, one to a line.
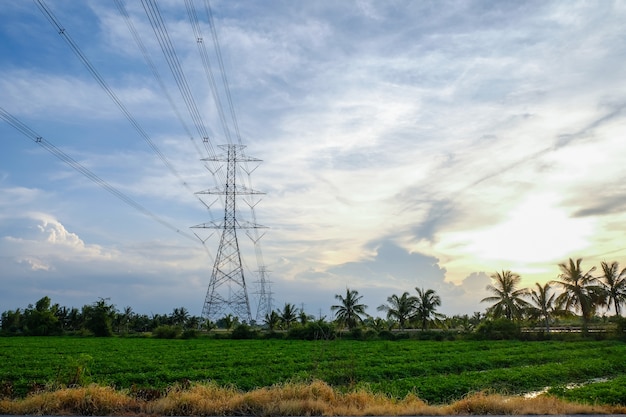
405	144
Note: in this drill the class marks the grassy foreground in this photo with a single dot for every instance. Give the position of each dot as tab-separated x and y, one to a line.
299	399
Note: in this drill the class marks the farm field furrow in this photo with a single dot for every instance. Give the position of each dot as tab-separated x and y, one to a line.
437	372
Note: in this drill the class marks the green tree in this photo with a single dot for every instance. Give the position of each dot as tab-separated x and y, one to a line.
543	301
228	322
41	320
348	313
127	317
614	282
426	305
12	321
99	317
272	320
581	291
74	319
304	318
399	308
193	323
288	316
179	316
508	299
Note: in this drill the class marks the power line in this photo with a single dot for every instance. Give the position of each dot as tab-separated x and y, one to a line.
159	79
218	53
193	19
160	30
92	70
39	140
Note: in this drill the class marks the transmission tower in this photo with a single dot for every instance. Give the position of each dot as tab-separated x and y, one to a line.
265	295
227	287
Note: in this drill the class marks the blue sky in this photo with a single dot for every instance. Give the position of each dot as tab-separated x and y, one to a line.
404	144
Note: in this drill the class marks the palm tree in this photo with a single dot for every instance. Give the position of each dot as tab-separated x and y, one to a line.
126	316
399	308
229	321
349	311
543	303
193	322
179	316
614	282
304	318
581	291
288	315
508	299
272	320
426	303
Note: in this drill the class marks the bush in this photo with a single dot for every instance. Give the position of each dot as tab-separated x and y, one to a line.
243	331
356	333
166	332
498	329
620	329
386	335
189	334
274	335
370	334
313	331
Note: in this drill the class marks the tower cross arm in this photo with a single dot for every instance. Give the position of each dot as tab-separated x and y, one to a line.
209	225
244	224
237	189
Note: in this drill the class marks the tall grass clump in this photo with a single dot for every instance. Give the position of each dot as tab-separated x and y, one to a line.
315	398
90	400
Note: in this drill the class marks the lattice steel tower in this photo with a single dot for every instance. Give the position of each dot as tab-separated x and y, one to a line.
227	288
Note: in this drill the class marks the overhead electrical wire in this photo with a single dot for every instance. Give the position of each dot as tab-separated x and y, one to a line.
218	54
206	64
39	140
153	69
92	70
160	30
150	63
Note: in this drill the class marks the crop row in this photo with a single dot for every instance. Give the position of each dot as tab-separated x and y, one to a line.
436	371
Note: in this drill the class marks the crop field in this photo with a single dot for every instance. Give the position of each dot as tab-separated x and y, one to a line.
436	372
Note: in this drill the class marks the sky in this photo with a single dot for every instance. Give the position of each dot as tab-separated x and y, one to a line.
404	144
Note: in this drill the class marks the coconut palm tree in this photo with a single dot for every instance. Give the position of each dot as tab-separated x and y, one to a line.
272	320
288	315
399	308
614	282
543	302
304	318
581	290
426	303
179	316
349	312
508	299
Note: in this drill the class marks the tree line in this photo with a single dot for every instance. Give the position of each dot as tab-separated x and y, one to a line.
582	295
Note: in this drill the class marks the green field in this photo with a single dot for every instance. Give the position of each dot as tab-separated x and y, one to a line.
438	372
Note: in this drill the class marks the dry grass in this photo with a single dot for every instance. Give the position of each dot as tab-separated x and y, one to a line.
298	399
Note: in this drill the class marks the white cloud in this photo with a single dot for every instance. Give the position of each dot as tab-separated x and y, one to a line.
485	136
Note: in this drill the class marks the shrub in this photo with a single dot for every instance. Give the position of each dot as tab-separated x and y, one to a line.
313	331
356	333
166	332
498	329
620	329
274	335
386	335
189	334
243	331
